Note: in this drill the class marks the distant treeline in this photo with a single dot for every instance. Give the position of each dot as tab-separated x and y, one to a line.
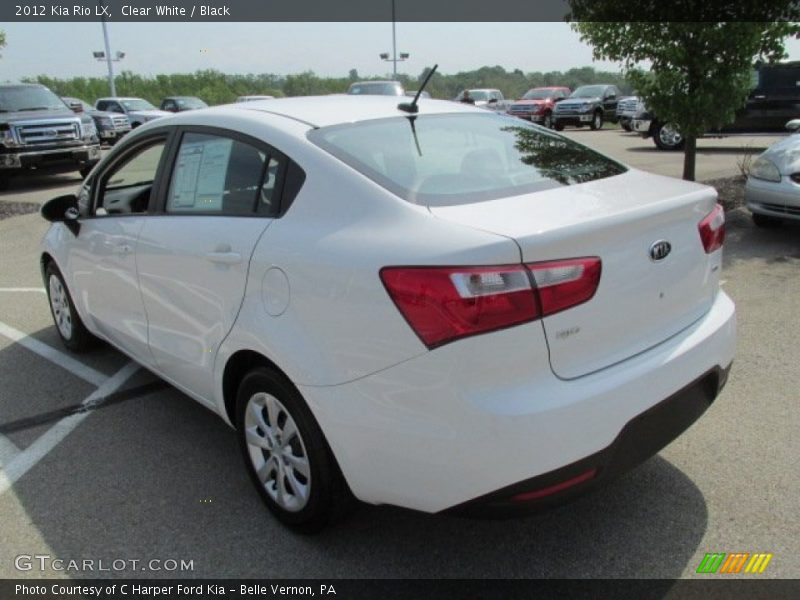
216	87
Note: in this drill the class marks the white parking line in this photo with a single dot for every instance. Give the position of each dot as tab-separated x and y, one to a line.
75	367
8	451
27	458
23	289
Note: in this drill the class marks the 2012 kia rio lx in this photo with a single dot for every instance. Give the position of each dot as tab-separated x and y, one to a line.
448	310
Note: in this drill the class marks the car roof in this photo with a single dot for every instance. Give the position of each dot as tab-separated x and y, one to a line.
323	111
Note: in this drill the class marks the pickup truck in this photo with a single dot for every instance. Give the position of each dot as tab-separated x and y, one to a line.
138	110
773	100
588	105
39	132
538	103
488	98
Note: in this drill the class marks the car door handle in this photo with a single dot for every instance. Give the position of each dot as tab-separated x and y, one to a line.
224	258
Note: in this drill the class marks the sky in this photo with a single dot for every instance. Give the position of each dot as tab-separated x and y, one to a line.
328	49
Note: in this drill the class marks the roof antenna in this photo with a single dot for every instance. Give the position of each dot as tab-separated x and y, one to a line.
411	107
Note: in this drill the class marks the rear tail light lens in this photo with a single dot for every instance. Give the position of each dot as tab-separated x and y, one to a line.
443	304
563	284
712	229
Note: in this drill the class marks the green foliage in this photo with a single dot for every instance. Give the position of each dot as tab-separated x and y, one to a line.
218	88
700	73
2	39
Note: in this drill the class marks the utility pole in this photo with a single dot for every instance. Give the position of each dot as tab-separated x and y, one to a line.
109	61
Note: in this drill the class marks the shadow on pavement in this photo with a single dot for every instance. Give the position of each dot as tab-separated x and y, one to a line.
158	476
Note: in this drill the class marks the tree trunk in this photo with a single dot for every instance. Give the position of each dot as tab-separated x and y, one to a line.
689	157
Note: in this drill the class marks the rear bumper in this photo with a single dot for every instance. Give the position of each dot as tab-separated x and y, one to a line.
642	437
480	415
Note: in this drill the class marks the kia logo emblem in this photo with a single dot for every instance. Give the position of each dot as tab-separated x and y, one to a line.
660	250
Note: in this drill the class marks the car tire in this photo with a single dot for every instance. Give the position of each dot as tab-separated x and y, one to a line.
626	126
70	327
85	171
4	183
667	137
597	120
766	221
307	491
558	126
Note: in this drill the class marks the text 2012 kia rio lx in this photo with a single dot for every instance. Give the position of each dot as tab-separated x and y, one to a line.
449	310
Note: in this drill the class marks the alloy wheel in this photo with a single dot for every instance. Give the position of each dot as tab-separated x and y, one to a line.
59	303
277	451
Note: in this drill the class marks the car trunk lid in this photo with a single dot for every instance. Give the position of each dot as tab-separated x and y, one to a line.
643	297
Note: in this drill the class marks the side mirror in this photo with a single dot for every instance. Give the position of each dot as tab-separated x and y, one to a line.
63	209
793	125
493	101
76	107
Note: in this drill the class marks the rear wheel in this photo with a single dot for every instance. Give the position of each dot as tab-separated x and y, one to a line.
286	454
597	120
667	136
71	330
766	221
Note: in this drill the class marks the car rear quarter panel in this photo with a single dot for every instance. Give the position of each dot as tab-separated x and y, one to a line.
340	323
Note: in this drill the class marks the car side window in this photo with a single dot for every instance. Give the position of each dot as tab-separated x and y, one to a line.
215	174
114	107
127	187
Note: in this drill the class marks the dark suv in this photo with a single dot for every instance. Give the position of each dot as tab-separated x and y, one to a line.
588	105
773	100
38	131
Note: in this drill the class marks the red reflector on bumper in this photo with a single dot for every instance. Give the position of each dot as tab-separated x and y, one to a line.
553	489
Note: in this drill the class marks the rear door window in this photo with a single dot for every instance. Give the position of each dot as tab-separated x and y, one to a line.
214	174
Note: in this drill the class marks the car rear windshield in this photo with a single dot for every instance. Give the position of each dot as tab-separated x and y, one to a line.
451	159
379	89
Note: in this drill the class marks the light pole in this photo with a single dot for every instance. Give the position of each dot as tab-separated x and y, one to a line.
403	55
107	54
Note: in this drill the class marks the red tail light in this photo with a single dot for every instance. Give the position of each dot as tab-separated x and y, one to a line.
443	304
562	284
712	229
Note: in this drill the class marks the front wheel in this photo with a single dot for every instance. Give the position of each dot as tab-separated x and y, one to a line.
558	126
71	330
597	121
286	454
667	136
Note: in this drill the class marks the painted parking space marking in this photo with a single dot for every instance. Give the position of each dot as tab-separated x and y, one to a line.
23	289
28	458
64	361
8	450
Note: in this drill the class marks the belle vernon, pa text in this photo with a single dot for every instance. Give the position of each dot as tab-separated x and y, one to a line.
204	590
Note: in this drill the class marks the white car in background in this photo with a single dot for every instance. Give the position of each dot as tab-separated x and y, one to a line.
138	110
772	191
252	98
445	310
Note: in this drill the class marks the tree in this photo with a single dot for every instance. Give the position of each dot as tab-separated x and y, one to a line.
2	39
700	72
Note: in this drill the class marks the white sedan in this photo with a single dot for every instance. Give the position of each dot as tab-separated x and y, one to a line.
449	310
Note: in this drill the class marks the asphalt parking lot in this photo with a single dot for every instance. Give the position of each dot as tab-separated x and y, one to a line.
150	474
